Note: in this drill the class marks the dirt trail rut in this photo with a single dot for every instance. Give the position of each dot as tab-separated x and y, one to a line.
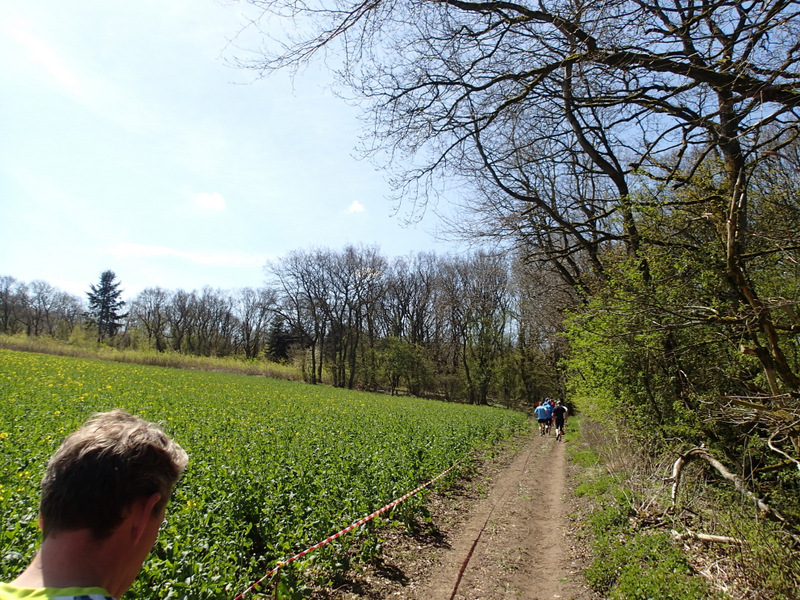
504	534
513	543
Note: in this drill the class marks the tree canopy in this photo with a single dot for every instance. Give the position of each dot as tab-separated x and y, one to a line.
645	152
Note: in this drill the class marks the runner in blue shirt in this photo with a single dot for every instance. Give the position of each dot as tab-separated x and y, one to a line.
541	416
548	404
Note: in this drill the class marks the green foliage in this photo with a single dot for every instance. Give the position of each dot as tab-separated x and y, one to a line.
668	325
631	564
672	351
402	362
649	566
583	456
594	488
767	558
635	363
274	468
633	553
770	563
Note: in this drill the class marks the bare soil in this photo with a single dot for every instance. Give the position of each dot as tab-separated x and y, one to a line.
511	530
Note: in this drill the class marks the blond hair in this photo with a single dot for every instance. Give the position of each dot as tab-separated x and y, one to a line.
102	468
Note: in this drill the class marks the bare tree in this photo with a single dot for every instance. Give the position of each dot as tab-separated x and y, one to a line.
252	309
408	304
557	114
369	269
43	308
301	282
151	309
13	299
178	318
211	323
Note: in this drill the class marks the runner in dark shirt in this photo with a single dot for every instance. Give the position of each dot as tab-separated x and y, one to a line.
560	416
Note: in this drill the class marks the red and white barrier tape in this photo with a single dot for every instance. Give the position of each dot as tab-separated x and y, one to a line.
348	529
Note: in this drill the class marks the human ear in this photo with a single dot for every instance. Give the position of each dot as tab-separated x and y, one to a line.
142	513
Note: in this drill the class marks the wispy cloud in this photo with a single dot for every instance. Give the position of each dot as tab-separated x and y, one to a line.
41	54
356	206
125	250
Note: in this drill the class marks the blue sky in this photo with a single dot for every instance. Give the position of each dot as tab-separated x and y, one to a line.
128	142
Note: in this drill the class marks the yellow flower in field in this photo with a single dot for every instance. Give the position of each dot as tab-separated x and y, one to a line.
3	435
56	412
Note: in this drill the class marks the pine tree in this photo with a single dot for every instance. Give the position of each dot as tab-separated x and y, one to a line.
279	338
105	306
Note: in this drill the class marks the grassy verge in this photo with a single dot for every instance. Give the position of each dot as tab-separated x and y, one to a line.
175	360
631	558
644	546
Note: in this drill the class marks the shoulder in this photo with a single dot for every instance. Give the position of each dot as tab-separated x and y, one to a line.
13	592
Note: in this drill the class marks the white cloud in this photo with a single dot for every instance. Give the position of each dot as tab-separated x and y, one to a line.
125	250
212	202
356	206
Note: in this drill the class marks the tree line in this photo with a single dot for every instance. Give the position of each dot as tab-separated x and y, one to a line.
465	328
644	152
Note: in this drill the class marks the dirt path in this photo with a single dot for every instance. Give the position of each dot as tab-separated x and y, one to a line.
513	544
504	535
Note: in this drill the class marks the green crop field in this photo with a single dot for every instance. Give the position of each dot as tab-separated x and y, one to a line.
274	466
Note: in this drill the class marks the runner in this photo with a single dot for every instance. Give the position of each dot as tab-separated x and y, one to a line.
541	416
560	416
549	406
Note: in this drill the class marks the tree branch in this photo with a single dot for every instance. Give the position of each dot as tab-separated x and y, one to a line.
761	506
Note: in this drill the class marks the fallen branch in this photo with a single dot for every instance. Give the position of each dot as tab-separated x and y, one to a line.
774	448
763	508
705	537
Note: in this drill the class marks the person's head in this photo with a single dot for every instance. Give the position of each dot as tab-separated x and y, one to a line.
102	469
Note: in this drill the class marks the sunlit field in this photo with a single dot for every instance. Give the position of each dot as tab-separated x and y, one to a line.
275	466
